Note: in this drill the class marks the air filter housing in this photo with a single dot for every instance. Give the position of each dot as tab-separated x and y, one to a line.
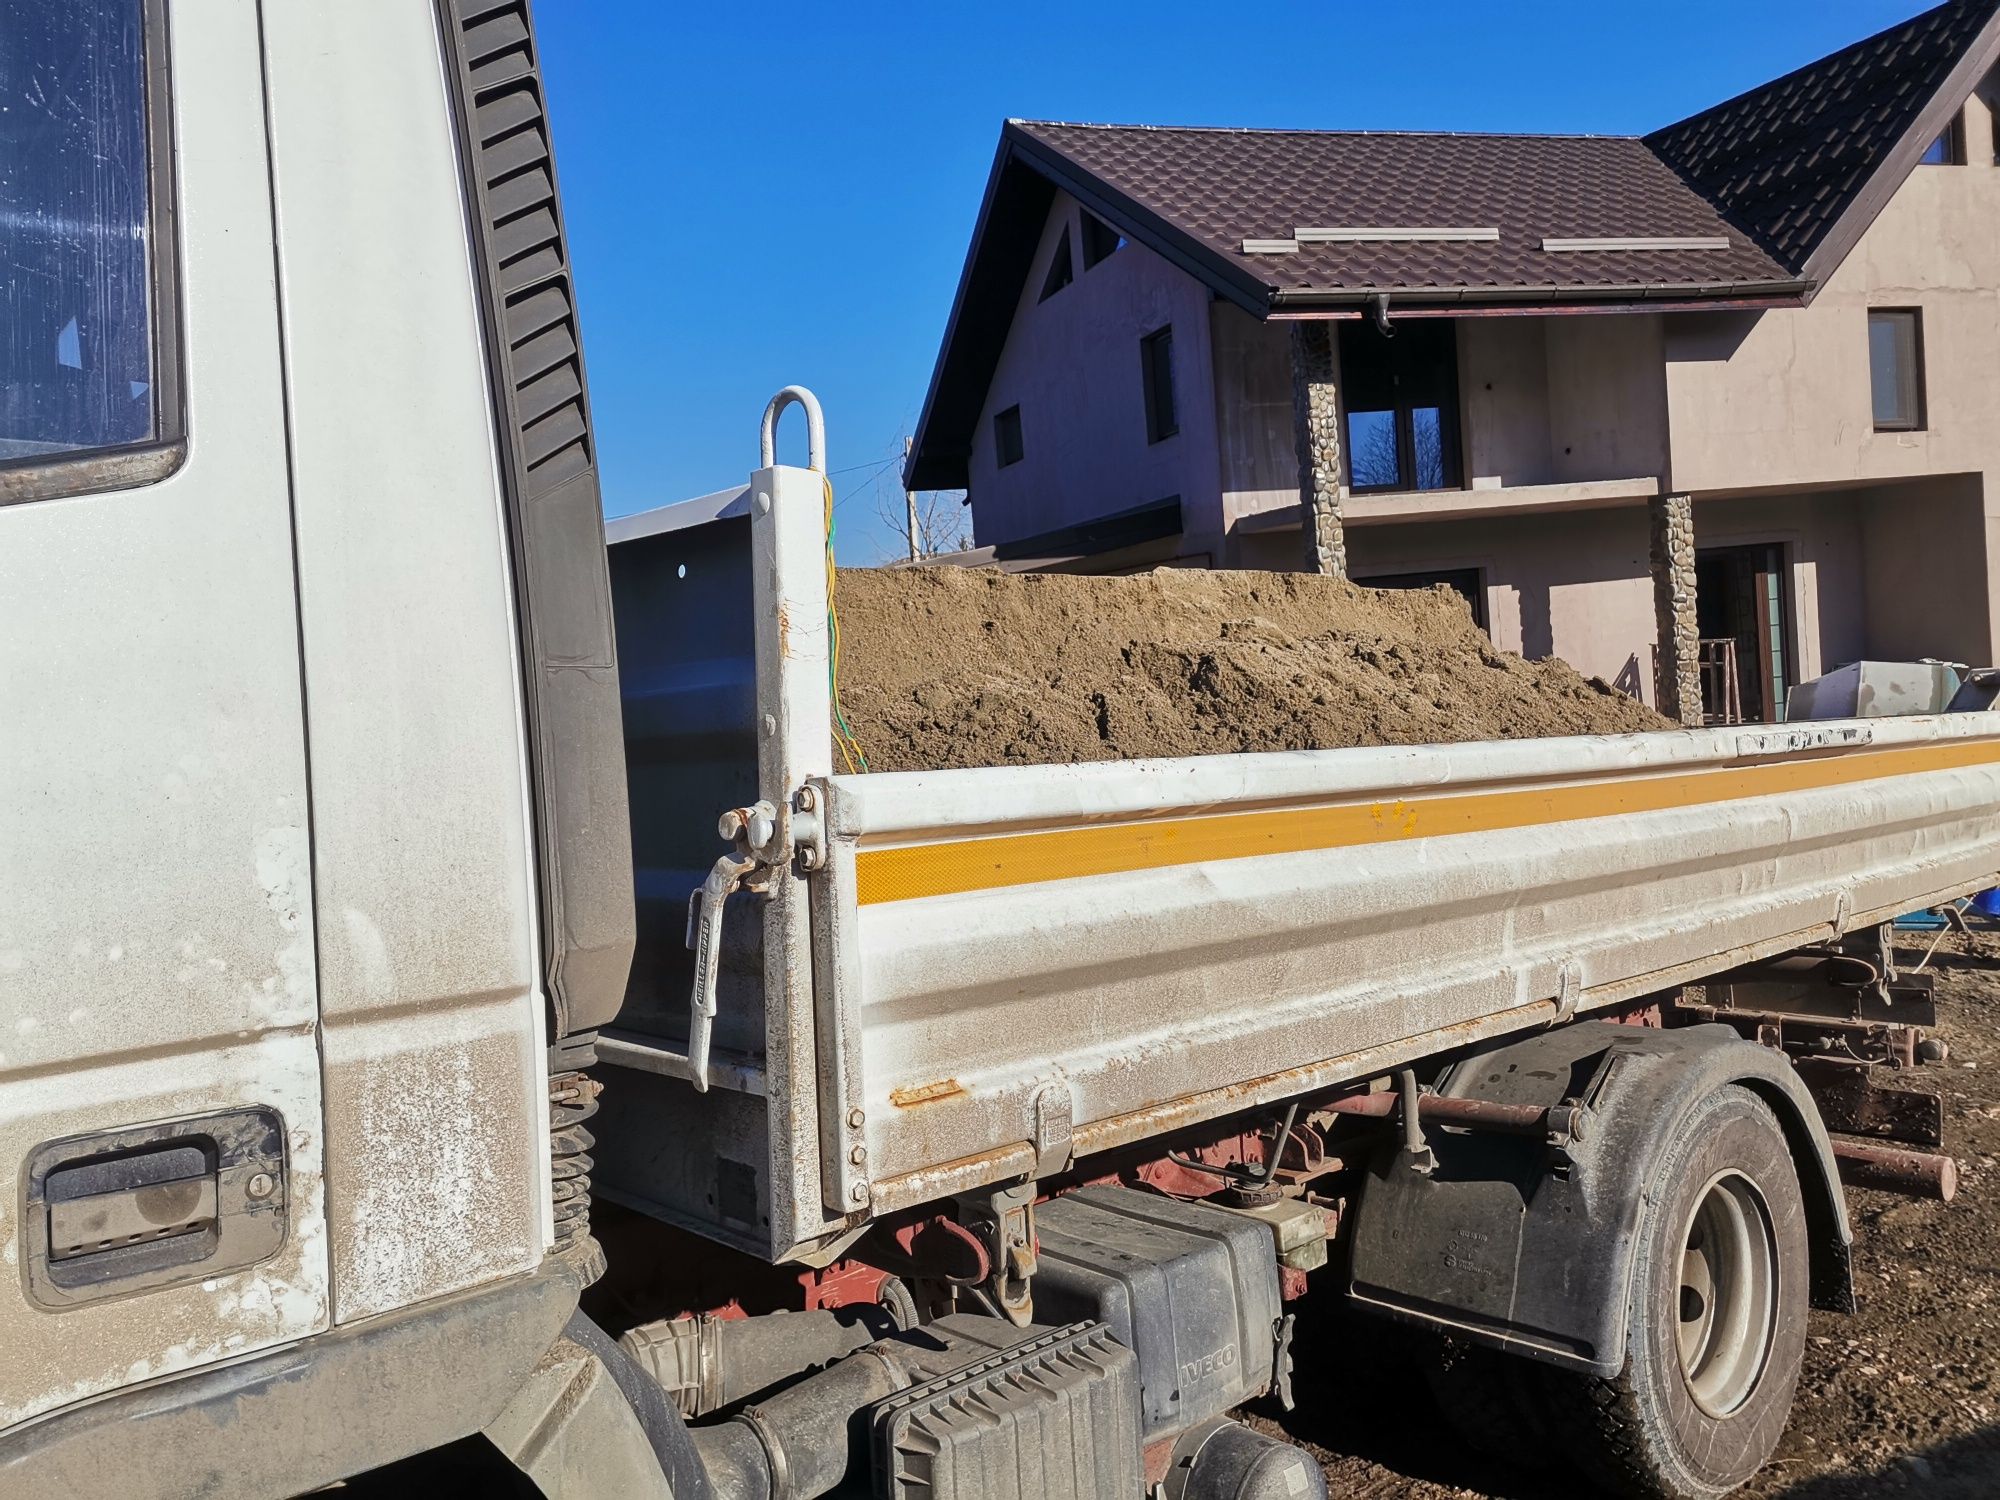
1056	1417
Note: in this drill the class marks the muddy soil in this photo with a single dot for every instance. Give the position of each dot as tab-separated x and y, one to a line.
946	667
1903	1398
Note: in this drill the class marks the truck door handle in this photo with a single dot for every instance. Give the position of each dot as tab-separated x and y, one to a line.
150	1195
153	1206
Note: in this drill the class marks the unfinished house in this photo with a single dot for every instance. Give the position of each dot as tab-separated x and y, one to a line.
1705	412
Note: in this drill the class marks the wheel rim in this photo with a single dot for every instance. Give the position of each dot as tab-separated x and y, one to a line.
1728	1294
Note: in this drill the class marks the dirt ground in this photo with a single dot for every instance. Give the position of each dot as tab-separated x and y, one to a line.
944	667
1901	1399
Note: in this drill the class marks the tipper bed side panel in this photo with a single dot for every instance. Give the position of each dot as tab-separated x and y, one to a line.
1134	947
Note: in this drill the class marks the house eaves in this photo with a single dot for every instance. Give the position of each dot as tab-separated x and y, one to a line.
1030	165
1012	212
1143	225
1008	227
1233	206
1636	296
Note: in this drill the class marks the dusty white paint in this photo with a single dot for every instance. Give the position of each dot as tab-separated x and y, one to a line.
435	1097
1163	984
54	1358
284	870
374	973
153	865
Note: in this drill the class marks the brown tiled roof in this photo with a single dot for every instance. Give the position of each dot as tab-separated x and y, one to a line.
1786	160
1221	187
1790	174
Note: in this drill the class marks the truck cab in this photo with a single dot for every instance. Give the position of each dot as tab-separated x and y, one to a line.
310	686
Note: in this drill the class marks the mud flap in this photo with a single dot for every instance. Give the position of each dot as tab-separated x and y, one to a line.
1525	1244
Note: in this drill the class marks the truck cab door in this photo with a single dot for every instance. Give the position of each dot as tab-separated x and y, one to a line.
160	1098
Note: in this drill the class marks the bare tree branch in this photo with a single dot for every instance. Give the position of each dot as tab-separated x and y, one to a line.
943	523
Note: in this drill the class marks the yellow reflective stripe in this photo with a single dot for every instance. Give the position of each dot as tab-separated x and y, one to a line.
977	864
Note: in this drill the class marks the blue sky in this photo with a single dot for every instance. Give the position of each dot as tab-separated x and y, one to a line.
762	194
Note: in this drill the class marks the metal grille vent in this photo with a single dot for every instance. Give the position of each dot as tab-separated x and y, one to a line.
542	406
525	242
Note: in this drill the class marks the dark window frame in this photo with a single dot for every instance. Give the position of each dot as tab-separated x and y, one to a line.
89	471
1006	426
1061	262
1156	376
1919	420
1952	140
1100	240
1448	400
1785	623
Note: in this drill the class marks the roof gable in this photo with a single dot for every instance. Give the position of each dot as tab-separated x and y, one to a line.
1012	217
1794	163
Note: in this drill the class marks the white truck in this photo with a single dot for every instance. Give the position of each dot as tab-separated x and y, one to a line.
971	1133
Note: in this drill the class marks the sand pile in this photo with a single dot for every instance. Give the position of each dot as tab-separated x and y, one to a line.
945	667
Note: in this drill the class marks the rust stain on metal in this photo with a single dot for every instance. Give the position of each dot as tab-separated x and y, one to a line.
924	1184
1172	1114
944	1088
927	1184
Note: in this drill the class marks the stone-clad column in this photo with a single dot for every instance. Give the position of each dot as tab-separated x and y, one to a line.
1672	548
1316	430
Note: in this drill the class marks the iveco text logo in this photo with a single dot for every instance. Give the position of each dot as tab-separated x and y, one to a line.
1194	1371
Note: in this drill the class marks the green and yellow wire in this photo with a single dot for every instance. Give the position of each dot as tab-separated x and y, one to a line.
843	736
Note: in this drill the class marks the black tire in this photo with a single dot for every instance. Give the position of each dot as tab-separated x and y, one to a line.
1492	1401
1708	1379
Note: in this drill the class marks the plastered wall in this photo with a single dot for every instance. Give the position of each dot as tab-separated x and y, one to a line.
1071	364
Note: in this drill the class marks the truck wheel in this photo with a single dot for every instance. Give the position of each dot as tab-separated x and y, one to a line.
1715	1319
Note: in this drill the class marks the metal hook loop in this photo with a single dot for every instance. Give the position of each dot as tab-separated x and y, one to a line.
767	435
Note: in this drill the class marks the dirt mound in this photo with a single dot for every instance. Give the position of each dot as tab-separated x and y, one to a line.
946	667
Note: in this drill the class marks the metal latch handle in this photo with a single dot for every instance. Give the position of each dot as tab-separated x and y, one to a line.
704	936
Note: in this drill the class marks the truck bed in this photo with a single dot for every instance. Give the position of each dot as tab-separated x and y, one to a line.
998	971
